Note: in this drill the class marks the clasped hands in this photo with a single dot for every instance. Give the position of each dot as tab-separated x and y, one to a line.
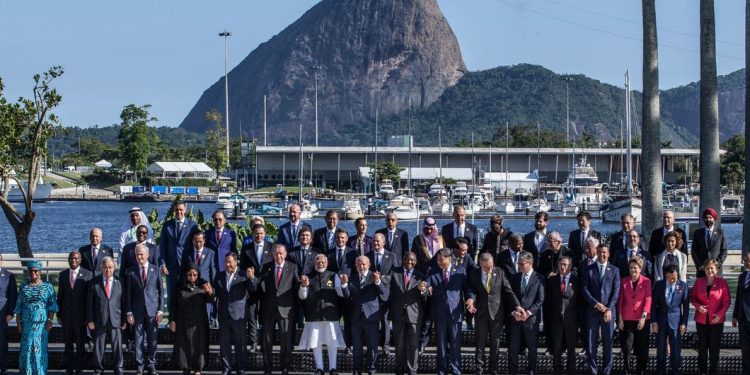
604	310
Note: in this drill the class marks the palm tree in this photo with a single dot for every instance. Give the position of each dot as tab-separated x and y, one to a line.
651	153
709	109
746	218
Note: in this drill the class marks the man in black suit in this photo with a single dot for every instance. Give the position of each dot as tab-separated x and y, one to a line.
105	315
303	255
656	243
231	290
619	241
535	242
708	242
93	253
741	315
492	290
405	311
632	249
289	231
144	298
578	237
127	256
341	260
462	259
562	301
383	261
324	239
255	253
508	260
528	286
71	295
396	240
279	281
460	228
496	240
176	236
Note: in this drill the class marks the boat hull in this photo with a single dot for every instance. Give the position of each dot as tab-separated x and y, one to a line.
612	211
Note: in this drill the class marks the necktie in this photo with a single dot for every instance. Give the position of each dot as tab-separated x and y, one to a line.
198	258
340	257
524	283
601	272
330	239
229	281
259	253
95	252
632	253
487	283
670	294
515	260
406	279
708	238
294	233
747	279
624	239
591	261
445	277
562	284
583	238
72	279
218	236
107	287
390	238
278	276
460	231
179	229
378	260
143	274
362	279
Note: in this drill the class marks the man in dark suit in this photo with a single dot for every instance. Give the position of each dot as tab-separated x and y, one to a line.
461	258
201	256
255	253
492	290
127	256
578	237
220	239
396	240
535	242
708	242
656	243
741	315
601	288
231	290
341	260
460	228
449	288
632	249
383	261
324	239
71	295
562	303
670	307
508	260
176	236
279	281
496	240
619	242
366	290
144	298
528	286
8	296
289	231
405	311
303	255
93	253
105	315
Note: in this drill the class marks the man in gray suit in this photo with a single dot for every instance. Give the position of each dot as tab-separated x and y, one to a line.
8	294
405	311
144	299
708	242
104	315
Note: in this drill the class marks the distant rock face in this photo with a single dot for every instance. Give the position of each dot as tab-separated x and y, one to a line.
393	52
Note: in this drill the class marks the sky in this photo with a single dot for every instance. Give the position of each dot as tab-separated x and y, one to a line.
166	53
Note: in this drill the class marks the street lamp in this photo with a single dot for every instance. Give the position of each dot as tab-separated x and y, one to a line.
567	109
226	34
315	69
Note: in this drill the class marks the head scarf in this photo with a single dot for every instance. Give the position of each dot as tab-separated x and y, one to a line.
35	264
127	231
710	211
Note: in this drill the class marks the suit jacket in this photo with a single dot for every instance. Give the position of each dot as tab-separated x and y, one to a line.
405	298
470	233
448	301
306	264
490	304
366	297
718	300
529	244
144	299
604	290
94	265
286	237
278	301
621	262
616	245
632	303
674	314
8	293
231	301
659	265
347	264
105	312
249	258
388	263
466	262
320	239
656	243
366	244
221	249
574	239
494	245
548	260
505	261
422	250
700	252
742	300
400	244
564	307
172	243
127	258
70	300
533	299
207	268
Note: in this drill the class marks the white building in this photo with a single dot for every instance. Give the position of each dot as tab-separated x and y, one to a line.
168	169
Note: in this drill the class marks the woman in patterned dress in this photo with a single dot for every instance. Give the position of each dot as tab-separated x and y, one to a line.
35	310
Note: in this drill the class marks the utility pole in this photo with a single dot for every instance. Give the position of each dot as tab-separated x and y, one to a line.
226	34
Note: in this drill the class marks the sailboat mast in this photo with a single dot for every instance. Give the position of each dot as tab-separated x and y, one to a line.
628	133
301	164
410	142
440	152
507	144
375	174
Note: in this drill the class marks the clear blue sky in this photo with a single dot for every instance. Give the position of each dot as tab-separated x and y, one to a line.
165	53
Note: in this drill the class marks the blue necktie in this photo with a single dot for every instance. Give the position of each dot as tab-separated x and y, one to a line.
670	294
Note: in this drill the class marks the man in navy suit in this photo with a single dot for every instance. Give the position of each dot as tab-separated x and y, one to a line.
127	255
71	295
366	290
396	240
633	248
562	303
449	288
289	231
8	295
144	298
304	254
656	243
535	242
578	237
601	288
93	253
176	236
341	260
508	260
104	314
324	239
741	315
528	287
708	242
619	242
383	261
220	239
255	253
231	290
460	228
202	256
670	307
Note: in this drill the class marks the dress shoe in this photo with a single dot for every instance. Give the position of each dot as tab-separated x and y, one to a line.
348	350
240	372
226	372
252	348
284	372
319	372
333	372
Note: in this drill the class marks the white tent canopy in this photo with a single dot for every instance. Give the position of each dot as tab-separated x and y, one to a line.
168	169
103	164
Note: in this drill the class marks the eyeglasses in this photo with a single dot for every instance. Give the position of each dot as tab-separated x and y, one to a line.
139	232
34	271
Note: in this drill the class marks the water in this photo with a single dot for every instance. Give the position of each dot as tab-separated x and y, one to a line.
63	226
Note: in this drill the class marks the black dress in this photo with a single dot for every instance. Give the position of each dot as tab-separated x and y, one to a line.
188	311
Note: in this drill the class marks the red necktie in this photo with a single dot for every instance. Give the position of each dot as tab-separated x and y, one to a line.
562	284
198	258
278	276
445	277
406	279
72	279
218	236
143	275
106	287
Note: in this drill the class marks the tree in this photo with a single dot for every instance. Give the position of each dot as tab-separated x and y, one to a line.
709	110
216	143
651	128
25	127
134	137
387	171
746	216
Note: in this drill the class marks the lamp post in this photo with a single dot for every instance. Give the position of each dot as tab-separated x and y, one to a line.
315	69
226	34
567	109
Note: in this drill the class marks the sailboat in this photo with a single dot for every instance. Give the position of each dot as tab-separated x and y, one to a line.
507	206
627	203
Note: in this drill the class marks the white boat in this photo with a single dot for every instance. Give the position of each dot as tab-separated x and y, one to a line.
459	190
612	211
582	185
539	205
506	207
732	204
308	209
385	190
224	203
437	190
42	194
441	206
352	209
423	206
404	207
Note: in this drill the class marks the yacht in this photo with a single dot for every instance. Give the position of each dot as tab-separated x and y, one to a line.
613	210
386	191
582	185
437	190
309	209
404	207
224	203
506	207
352	209
732	204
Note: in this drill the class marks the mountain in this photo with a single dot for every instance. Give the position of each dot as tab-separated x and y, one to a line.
386	54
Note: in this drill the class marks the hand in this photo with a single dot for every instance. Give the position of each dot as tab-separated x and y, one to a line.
641	323
9	317
654	327
376	277
608	316
20	327
600	306
48	325
715	319
683	329
304	281
344	278
429	290
250	273
172	326
207	288
164	270
92	326
158	318
131	320
422	286
620	324
734	322
470	305
702	309
123	326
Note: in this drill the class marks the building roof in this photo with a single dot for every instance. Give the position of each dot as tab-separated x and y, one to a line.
427	173
184	167
103	164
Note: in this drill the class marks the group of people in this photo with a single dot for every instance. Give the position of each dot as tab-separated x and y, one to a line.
386	289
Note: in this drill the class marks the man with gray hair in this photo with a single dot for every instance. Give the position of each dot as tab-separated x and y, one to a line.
104	315
551	254
528	287
619	241
93	253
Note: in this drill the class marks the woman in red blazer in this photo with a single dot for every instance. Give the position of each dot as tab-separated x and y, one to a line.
634	309
710	297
